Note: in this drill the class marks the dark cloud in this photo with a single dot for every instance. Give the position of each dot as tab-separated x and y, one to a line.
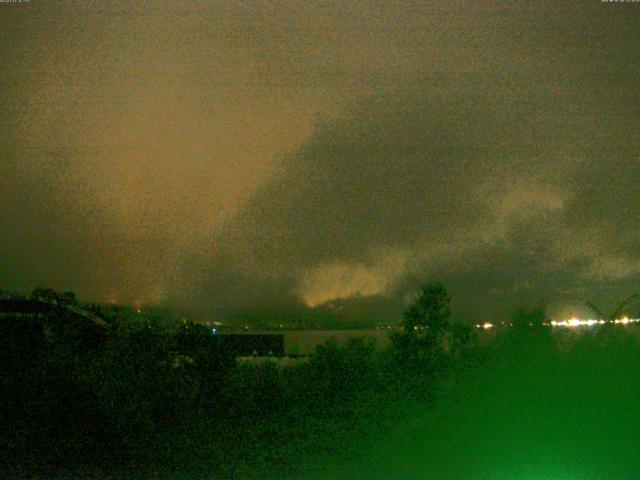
496	181
323	159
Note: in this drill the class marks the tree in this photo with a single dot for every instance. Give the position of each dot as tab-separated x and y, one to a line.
426	323
430	312
45	293
68	297
462	336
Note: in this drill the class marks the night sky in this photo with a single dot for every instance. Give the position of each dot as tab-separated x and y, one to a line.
314	159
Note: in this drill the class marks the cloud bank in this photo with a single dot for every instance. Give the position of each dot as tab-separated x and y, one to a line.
324	159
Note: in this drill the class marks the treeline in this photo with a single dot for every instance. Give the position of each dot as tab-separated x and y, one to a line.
155	400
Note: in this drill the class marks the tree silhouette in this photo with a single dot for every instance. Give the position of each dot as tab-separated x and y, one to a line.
426	322
430	312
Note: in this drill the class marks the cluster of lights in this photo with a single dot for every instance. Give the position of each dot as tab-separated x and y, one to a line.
576	322
485	325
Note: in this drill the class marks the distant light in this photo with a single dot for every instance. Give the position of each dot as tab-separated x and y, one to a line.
214	330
